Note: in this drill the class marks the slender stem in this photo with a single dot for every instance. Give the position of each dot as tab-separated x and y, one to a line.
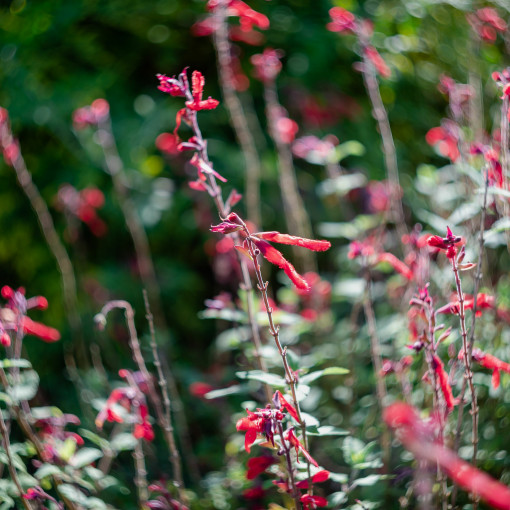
388	145
467	361
49	232
215	193
163	386
287	452
505	157
296	215
375	350
471	340
153	394
10	462
237	115
141	474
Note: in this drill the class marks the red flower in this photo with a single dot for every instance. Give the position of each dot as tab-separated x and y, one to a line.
253	424
445	139
489	361
197	89
320	476
311	502
397	264
445	243
294	441
267	65
279	398
444	384
173	86
483	302
377	61
257	465
418	439
342	20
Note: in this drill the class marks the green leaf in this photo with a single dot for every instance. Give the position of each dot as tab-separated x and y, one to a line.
369	480
313	376
223	392
326	430
226	314
15	363
27	387
67	450
122	442
47	470
492	190
72	494
103	443
310	421
341	185
349	148
264	377
16	460
84	457
337	498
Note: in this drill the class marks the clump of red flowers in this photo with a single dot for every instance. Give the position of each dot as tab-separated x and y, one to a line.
447	243
132	399
490	362
93	115
83	205
487	23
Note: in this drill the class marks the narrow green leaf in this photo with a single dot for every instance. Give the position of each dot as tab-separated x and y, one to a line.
264	377
84	457
313	376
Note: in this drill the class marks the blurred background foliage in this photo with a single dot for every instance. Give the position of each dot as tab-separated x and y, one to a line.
56	56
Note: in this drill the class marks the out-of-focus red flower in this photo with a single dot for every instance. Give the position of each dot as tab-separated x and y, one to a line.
397	264
319	477
486	22
168	143
490	362
377	61
267	65
418	438
341	20
311	502
97	112
286	129
483	302
253	424
254	493
444	383
445	140
257	465
200	389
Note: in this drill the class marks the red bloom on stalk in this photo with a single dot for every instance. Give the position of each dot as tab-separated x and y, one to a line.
267	64
257	465
290	408
320	476
377	61
446	140
490	362
275	257
173	86
294	441
197	89
92	115
445	243
483	302
487	23
396	264
14	316
255	423
444	383
312	502
418	438
342	20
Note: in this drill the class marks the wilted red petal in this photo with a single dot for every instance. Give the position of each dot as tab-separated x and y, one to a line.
311	244
45	333
320	476
443	382
294	441
496	378
275	257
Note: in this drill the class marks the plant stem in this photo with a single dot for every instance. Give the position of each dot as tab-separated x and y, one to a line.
286	451
298	221
237	116
153	394
141	474
10	462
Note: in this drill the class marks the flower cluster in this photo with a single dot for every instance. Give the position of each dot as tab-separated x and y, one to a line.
83	205
447	243
93	115
132	400
487	23
13	317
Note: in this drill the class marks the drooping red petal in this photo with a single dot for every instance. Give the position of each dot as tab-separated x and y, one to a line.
275	257
249	439
443	382
311	244
45	333
290	408
496	378
397	264
294	441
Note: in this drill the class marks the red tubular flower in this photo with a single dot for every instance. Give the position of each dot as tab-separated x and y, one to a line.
483	302
197	88
445	140
445	243
397	264
418	439
257	465
444	383
377	61
294	441
320	476
291	409
490	362
172	86
267	65
252	425
311	244
342	20
45	333
312	502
